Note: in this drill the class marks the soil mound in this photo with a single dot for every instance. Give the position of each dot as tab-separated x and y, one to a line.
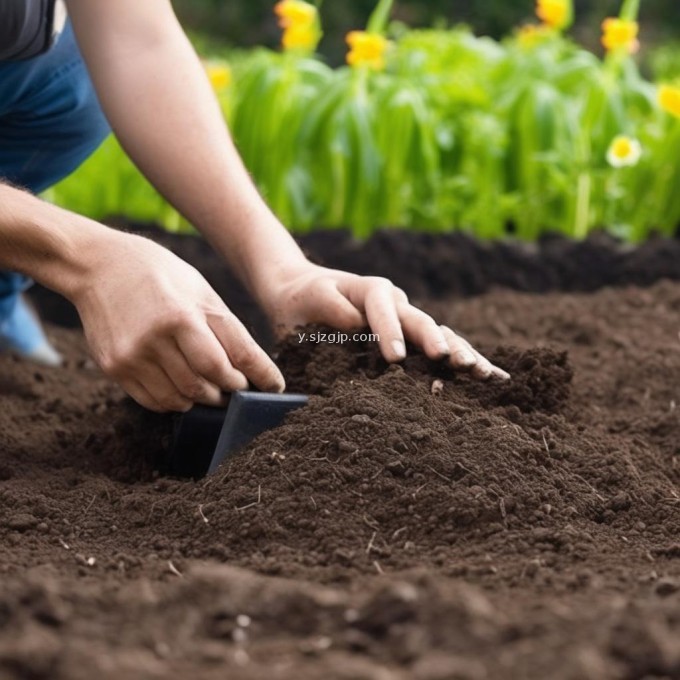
405	467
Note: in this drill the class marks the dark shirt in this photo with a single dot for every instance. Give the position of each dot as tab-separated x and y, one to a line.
25	28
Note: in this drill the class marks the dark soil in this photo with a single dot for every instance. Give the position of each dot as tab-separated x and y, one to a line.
408	523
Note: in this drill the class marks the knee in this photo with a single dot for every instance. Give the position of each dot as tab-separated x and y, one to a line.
60	131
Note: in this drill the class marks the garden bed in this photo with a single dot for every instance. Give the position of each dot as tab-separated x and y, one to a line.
409	523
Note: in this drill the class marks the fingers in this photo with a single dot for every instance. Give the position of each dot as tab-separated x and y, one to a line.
190	384
339	310
207	358
324	303
382	316
154	390
421	330
393	318
482	368
193	361
377	298
245	354
141	395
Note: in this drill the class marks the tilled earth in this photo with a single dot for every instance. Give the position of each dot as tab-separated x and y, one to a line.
408	523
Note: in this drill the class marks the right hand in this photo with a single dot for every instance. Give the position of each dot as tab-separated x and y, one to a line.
156	327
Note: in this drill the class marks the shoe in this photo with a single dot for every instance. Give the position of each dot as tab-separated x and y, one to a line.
22	334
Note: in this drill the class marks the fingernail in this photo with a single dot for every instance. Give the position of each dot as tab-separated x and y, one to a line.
500	373
399	349
443	348
466	358
483	371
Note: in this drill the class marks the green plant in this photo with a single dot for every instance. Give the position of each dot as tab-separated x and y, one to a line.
439	129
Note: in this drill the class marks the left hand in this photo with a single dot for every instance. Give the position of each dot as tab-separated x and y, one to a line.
348	302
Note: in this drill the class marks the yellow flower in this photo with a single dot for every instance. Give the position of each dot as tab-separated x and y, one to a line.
620	34
219	75
530	35
624	152
554	13
669	99
295	13
367	49
300	38
300	23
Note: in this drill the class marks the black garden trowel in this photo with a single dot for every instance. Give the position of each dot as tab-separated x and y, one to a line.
206	436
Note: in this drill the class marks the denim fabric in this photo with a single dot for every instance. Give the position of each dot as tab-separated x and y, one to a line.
50	122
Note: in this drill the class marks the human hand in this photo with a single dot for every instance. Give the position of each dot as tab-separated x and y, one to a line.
155	326
347	301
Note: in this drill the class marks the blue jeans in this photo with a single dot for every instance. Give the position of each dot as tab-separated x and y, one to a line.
50	122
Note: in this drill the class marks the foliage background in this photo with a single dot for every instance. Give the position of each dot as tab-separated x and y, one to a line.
461	132
250	22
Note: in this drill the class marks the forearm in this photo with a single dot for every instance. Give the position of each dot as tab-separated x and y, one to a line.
45	242
160	104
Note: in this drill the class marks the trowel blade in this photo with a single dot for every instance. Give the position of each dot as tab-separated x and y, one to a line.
250	414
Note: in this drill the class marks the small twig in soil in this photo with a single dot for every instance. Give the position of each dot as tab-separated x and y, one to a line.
285	476
398	532
378	568
223	478
64	544
257	502
151	510
439	474
200	512
173	569
466	469
377	474
370	522
545	443
89	505
369	547
418	490
311	498
591	487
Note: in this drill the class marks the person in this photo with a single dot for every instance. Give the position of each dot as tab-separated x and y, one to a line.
68	72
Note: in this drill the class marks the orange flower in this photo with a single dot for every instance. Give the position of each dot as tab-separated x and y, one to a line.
554	13
620	34
367	49
669	99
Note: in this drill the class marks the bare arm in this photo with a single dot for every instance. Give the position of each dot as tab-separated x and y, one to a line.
162	108
43	241
152	322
